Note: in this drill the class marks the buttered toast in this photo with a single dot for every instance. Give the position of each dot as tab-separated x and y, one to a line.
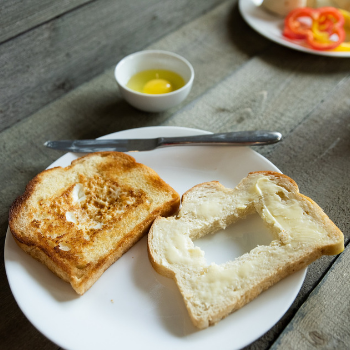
80	219
301	231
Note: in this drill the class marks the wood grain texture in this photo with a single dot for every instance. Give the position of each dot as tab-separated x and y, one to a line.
241	83
48	61
17	16
322	322
311	109
277	90
96	108
315	155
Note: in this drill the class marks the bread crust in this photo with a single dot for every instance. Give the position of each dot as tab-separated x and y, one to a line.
62	263
301	255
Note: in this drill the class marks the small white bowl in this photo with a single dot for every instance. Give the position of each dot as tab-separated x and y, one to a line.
153	59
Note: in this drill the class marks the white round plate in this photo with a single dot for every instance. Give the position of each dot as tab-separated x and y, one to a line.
271	26
133	307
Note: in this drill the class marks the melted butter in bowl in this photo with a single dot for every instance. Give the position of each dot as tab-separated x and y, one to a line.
154	80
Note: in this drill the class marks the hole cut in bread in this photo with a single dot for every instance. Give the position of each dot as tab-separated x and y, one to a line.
302	233
235	240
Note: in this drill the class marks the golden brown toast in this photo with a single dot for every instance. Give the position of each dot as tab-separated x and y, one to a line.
80	219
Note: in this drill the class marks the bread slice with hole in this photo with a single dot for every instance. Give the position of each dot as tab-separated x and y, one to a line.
301	231
80	219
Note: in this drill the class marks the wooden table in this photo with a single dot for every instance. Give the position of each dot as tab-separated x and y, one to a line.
56	82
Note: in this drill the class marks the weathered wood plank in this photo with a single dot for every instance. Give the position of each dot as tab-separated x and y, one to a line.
265	91
44	63
316	128
96	108
315	155
322	322
276	90
17	16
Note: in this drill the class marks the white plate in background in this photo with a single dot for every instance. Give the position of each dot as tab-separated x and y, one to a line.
133	307
271	27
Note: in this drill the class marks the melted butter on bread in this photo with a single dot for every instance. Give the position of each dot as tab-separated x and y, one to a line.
180	250
70	217
78	193
206	209
76	214
287	214
80	219
301	231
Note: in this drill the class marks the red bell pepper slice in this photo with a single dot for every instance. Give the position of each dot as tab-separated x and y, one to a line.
328	22
293	27
322	30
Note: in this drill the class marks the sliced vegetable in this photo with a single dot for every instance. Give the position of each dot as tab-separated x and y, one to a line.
346	45
327	29
322	28
294	28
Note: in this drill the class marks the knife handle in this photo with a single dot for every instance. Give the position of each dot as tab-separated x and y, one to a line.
238	138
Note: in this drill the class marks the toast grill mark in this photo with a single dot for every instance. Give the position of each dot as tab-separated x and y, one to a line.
102	203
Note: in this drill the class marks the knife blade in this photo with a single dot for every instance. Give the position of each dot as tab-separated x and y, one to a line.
238	138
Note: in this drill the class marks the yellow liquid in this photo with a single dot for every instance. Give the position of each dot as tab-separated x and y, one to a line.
155	81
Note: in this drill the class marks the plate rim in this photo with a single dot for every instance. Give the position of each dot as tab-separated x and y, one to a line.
250	21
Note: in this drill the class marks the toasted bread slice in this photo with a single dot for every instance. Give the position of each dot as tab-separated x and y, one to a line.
301	231
80	219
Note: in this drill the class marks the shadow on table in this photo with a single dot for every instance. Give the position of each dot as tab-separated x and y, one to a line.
243	36
105	114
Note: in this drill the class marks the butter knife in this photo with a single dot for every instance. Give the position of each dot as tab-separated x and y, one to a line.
238	138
